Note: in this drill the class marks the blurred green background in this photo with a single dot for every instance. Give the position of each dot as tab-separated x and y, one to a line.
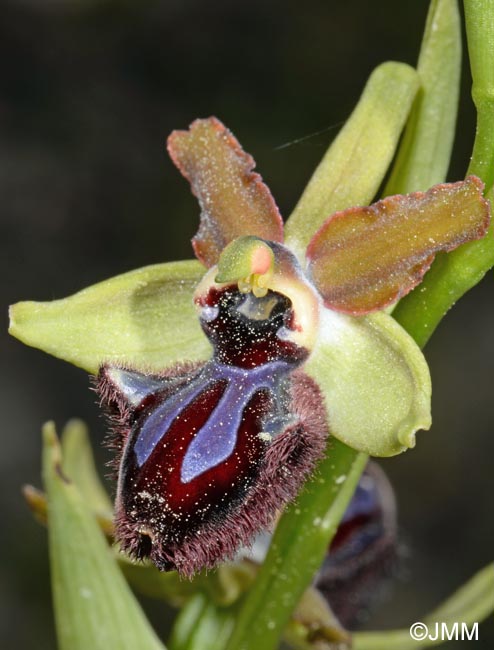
89	90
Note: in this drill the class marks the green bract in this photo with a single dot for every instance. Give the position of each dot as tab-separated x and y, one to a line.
94	606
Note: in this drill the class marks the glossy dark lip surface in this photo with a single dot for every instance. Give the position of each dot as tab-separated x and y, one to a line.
247	342
209	453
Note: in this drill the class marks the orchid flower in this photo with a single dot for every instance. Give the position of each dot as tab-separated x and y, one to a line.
224	376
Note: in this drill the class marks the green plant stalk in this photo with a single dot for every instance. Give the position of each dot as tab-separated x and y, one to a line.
479	19
482	164
298	546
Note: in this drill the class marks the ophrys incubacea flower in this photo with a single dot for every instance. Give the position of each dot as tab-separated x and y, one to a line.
219	419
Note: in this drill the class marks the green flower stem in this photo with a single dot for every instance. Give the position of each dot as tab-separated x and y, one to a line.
472	603
297	550
479	18
425	151
482	162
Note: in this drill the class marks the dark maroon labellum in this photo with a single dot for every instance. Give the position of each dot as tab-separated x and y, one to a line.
208	454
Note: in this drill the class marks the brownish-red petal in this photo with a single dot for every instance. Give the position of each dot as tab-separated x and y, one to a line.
365	258
234	200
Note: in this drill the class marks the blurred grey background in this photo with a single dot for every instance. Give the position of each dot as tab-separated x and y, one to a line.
89	91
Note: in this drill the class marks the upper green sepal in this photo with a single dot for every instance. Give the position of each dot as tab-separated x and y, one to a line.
145	319
355	164
375	381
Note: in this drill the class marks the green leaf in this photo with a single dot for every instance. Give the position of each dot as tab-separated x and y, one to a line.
201	625
353	168
296	552
144	319
472	603
94	607
424	153
375	382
